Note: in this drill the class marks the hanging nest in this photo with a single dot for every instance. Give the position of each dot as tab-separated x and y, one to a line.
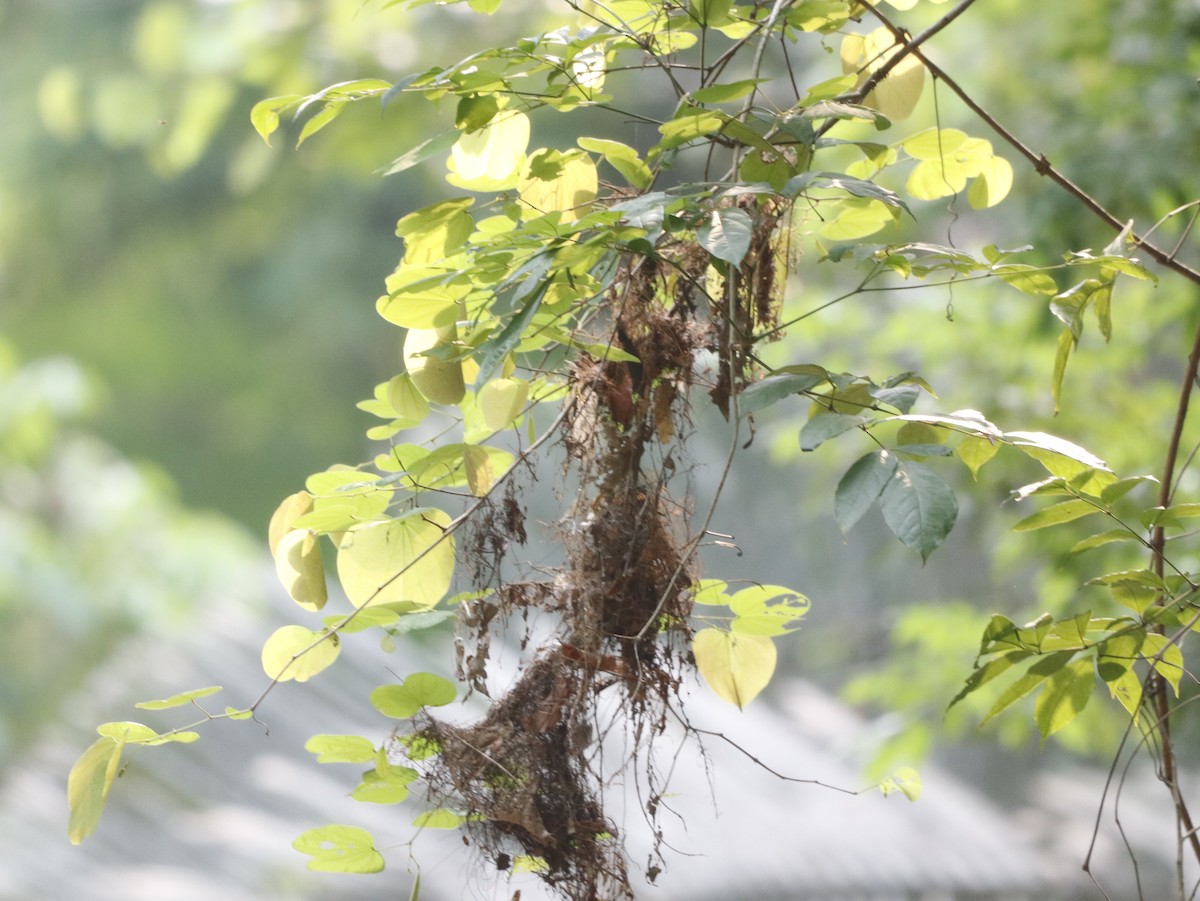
523	776
528	774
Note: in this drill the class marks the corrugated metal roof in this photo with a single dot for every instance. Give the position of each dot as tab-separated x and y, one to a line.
215	819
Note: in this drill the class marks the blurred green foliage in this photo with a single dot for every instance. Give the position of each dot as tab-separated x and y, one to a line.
91	546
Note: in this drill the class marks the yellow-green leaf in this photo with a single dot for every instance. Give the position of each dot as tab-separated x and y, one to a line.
340	849
501	401
992	184
300	570
87	786
1066	511
294	652
437	378
406	561
340	748
1064	696
491	158
569	190
283	519
180	699
975	451
897	95
736	667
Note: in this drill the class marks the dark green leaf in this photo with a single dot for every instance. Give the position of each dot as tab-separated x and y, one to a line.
824	426
774	388
918	507
861	486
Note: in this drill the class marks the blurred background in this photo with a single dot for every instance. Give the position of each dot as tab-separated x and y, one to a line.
187	321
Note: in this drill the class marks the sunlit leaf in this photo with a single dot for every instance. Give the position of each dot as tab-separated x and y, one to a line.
439	379
340	849
300	569
87	786
264	115
441	818
403	561
569	190
1063	698
284	518
180	699
417	691
491	158
1066	511
501	401
1165	656
389	786
293	652
975	451
897	95
341	748
991	185
905	780
736	667
1038	673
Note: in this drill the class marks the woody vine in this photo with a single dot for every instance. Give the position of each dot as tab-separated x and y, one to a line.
546	306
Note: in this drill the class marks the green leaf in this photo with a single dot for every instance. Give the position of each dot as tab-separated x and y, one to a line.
736	667
824	426
294	652
87	786
300	569
905	780
180	699
387	787
621	157
440	818
767	610
417	691
1065	460
1121	487
774	388
727	235
726	91
1026	279
1064	697
982	675
1033	677
861	486
340	849
1102	538
918	507
315	123
264	115
422	152
1165	657
1066	511
341	748
975	451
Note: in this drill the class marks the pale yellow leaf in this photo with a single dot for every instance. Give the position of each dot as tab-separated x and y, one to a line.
299	567
406	561
294	652
736	667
